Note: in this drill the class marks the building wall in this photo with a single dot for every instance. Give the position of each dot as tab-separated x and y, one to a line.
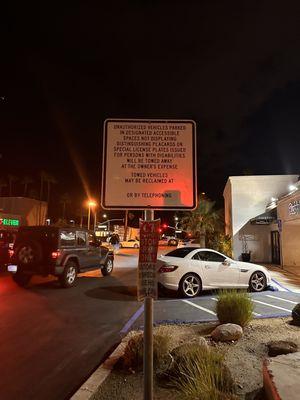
289	214
258	238
247	197
290	245
228	208
31	211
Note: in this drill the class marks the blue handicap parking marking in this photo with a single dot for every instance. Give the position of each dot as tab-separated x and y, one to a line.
203	308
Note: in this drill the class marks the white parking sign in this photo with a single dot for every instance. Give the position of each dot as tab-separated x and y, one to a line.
149	164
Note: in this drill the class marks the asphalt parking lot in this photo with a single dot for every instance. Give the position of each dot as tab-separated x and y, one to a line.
267	304
53	338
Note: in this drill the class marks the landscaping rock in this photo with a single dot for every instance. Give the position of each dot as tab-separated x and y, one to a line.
296	314
227	332
177	356
276	348
187	348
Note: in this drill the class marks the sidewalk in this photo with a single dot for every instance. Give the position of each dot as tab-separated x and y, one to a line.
285	279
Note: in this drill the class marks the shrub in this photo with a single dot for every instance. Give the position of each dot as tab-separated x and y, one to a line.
234	307
296	314
221	243
203	375
133	354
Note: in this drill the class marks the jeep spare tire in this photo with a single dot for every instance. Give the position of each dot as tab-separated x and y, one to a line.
29	253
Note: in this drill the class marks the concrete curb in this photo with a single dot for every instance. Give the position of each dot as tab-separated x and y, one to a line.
93	383
269	386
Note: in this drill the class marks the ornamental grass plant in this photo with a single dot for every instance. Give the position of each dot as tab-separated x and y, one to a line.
203	375
133	354
234	307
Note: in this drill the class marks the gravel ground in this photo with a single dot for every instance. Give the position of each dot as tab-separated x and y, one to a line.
243	358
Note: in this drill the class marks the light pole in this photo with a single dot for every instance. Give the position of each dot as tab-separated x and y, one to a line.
91	204
176	221
105	217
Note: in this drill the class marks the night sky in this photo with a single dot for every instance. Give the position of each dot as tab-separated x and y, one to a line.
233	67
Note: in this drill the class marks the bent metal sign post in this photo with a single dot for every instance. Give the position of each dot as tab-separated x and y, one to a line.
149	165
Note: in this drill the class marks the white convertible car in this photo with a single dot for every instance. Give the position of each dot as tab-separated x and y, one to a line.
191	270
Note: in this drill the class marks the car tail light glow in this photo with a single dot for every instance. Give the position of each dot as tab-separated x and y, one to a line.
55	254
11	253
167	268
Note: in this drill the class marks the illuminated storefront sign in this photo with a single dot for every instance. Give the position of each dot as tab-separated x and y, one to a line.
9	222
294	207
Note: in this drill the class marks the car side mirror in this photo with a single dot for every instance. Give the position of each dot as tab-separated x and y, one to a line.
226	262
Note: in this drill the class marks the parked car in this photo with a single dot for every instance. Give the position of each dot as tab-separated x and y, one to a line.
62	252
130	243
109	246
168	241
191	270
188	243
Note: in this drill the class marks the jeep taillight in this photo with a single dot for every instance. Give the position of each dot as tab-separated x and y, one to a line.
167	268
55	254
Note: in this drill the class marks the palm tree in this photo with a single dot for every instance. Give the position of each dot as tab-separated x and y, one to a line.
65	200
202	221
3	184
43	177
11	179
27	180
50	180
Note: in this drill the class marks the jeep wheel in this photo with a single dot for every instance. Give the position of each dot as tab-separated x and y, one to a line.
69	276
29	253
21	279
107	268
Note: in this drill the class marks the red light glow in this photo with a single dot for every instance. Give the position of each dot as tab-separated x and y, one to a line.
55	254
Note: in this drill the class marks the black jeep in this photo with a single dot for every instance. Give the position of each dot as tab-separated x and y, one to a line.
62	252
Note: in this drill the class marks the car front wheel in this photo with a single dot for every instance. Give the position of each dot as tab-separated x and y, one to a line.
258	282
69	276
136	246
190	285
107	268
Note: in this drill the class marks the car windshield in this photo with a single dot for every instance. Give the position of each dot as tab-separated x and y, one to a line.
180	253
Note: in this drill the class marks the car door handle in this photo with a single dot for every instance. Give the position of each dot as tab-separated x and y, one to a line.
207	266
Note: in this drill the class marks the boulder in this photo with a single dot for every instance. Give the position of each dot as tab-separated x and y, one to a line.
276	348
296	314
186	348
178	356
227	333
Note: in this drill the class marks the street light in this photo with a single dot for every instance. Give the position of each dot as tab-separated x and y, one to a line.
176	219
91	204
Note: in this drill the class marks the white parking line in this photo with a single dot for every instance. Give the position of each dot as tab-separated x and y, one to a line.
201	308
271	305
254	313
279	298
